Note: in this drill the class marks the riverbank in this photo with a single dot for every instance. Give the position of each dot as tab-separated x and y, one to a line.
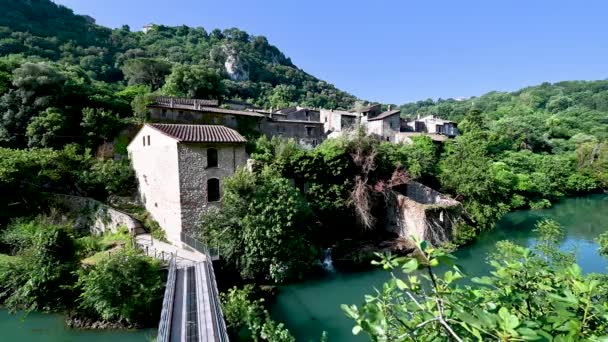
309	308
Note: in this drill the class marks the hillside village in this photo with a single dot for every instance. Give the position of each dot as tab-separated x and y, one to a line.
308	126
190	146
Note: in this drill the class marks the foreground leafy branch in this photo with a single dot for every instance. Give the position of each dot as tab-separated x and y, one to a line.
531	294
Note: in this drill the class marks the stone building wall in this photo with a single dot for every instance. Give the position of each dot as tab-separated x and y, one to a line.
307	134
159	188
391	127
96	217
304	115
423	213
194	174
176	115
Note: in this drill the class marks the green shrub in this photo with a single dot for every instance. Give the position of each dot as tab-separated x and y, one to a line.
87	246
42	277
464	233
246	318
540	204
125	286
602	240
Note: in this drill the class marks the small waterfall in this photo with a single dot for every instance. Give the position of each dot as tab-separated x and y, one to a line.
328	264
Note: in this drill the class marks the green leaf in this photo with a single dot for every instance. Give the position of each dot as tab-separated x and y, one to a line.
410	266
401	284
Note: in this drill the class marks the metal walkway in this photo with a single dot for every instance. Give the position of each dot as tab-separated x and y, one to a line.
191	307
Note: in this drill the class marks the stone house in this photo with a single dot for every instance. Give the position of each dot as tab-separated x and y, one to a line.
432	125
180	169
306	133
384	126
297	113
335	121
370	111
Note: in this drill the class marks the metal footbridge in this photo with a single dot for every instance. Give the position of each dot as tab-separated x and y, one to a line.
191	306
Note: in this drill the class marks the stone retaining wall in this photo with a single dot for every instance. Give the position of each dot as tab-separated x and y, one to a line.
97	217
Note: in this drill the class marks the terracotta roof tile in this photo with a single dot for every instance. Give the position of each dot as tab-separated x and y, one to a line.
200	133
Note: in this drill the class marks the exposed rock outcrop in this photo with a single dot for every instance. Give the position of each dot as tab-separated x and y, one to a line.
235	67
419	211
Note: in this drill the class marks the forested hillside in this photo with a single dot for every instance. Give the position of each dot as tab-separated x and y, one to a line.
53	64
525	148
537	115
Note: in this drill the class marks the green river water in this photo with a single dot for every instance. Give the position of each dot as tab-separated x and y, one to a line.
312	307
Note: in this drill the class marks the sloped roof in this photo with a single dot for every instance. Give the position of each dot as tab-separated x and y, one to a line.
370	108
434	118
164	100
385	115
200	133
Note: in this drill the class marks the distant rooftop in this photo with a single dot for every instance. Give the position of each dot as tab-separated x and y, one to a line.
200	133
201	105
385	115
434	118
164	100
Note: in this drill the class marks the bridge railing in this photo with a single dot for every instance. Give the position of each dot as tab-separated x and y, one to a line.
201	246
216	306
164	326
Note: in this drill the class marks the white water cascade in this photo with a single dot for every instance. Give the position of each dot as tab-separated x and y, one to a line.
328	264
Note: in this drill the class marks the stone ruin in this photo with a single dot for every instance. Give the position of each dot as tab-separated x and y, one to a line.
415	210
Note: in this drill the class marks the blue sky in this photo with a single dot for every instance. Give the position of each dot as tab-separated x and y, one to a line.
402	51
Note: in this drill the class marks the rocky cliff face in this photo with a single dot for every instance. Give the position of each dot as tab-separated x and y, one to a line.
235	67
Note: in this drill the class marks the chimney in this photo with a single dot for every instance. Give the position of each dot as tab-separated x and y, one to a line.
390	107
418	117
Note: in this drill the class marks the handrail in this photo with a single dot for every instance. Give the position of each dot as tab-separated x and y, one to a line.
199	245
220	324
164	326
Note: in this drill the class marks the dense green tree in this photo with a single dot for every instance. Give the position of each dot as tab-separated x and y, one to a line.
467	170
100	125
45	129
282	96
147	71
194	81
264	227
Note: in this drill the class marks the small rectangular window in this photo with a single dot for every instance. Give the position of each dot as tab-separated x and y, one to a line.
144	140
309	131
148	140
